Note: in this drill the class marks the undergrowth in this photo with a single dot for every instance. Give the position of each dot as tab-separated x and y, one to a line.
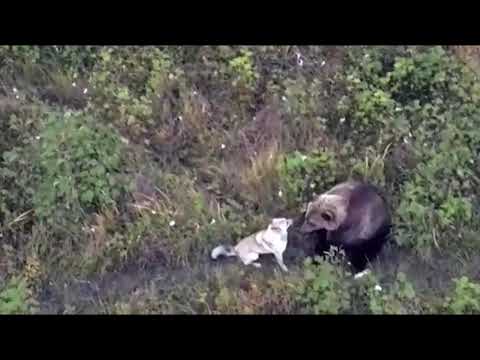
118	158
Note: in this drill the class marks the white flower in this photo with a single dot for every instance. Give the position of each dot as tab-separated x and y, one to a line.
74	84
378	288
410	134
194	93
303	157
213	221
154	212
171	223
17	97
342	120
398	109
280	193
171	76
37	137
222	146
299	59
312	185
85	91
15	90
180	117
92	229
284	98
323	63
405	140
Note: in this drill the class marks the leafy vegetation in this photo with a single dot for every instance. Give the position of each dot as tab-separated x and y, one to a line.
131	163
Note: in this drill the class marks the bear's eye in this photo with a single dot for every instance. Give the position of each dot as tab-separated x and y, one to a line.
326	217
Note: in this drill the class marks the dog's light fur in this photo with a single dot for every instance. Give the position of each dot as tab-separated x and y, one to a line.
272	240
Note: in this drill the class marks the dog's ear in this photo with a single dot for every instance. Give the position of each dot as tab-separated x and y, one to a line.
275	227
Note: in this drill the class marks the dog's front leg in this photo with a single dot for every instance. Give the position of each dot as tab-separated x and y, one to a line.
279	258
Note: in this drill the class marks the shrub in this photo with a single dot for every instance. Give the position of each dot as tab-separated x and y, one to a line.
302	175
243	70
465	298
306	118
324	290
397	299
127	83
79	165
425	99
14	297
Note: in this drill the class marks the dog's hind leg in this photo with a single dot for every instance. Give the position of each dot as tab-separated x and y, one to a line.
250	259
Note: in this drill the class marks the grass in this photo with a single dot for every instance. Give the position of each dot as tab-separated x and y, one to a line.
122	167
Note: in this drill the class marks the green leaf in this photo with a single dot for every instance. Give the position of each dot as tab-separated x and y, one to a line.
87	196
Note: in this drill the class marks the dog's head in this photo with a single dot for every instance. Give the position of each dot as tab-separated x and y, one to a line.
328	212
280	224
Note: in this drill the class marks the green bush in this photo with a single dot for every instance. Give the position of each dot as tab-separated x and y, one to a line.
465	298
127	82
429	101
302	175
324	290
79	165
14	298
306	115
398	298
243	69
18	173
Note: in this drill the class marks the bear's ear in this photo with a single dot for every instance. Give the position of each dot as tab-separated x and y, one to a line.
340	203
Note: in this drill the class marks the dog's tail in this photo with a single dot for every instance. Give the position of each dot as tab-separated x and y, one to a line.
222	250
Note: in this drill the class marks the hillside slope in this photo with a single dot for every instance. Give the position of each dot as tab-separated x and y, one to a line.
122	167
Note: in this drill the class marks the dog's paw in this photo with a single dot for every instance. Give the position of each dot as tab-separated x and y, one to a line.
362	274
